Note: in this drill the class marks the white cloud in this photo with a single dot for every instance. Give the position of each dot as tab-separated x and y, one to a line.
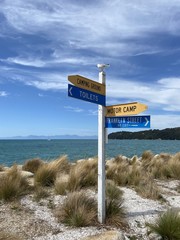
164	93
34	62
47	85
74	109
164	121
92	112
99	26
3	94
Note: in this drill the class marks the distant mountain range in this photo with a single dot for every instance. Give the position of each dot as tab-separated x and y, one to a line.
164	134
51	137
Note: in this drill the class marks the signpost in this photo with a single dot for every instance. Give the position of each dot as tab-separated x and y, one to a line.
125	109
117	116
85	95
87	84
128	122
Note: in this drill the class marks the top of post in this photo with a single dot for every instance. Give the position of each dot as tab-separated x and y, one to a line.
102	66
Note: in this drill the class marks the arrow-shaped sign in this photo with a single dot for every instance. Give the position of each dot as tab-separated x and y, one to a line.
128	122
125	109
87	84
86	95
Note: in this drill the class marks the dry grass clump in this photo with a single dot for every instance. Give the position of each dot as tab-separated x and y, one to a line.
32	165
61	185
8	236
83	174
1	168
115	212
124	172
61	164
174	165
39	193
167	226
78	210
13	185
47	173
147	188
118	172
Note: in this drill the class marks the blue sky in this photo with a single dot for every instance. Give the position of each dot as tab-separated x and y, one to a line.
42	42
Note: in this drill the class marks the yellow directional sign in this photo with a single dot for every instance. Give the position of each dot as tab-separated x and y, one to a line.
87	84
125	109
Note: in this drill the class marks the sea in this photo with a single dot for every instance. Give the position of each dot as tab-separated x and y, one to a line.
19	151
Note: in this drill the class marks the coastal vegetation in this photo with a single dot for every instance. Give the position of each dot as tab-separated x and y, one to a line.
165	134
77	183
167	226
13	185
78	210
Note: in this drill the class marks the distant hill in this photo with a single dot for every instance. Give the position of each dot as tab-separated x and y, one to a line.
165	134
51	137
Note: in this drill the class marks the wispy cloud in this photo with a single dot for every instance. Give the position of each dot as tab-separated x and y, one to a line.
74	109
80	30
92	112
164	92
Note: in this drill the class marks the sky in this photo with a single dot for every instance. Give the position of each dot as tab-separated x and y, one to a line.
42	42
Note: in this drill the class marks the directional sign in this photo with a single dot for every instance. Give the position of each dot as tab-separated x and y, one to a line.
87	84
125	109
128	122
85	95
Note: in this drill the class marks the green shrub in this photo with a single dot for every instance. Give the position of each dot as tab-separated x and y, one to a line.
32	165
167	226
78	210
13	185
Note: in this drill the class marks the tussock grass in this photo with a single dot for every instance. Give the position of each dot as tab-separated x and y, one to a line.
174	165
39	193
83	174
118	172
32	165
112	191
147	188
61	185
45	176
124	173
167	226
47	173
13	185
115	212
78	210
1	168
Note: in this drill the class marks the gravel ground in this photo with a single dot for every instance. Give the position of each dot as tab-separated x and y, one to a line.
35	220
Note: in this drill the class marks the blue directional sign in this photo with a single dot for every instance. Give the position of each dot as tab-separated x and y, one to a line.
86	95
128	122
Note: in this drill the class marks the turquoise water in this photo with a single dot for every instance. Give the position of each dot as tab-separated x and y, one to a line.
18	151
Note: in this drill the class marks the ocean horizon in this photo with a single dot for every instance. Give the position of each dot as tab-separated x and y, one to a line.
18	151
